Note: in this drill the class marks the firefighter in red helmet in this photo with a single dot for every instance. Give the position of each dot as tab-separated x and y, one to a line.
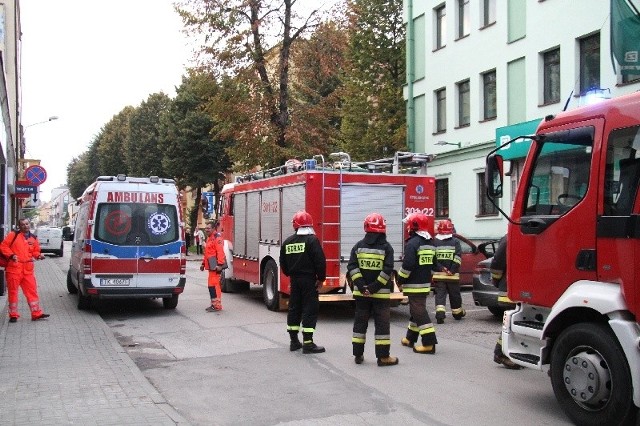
449	255
303	260
369	269
414	277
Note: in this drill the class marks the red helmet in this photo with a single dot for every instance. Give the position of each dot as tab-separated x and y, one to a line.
375	223
300	219
417	222
445	227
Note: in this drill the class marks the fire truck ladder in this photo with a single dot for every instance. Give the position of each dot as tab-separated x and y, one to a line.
330	221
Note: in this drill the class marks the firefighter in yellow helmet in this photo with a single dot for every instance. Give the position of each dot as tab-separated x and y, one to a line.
414	277
302	259
449	255
369	269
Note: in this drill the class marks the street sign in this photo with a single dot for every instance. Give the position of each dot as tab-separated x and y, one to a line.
36	175
26	189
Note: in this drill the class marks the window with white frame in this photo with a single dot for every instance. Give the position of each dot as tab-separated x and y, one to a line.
463	103
551	76
463	18
488	12
440	13
590	63
489	109
485	207
441	110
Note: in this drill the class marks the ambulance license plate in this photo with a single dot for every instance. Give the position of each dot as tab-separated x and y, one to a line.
120	282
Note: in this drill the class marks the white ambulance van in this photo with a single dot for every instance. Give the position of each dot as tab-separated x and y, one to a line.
128	241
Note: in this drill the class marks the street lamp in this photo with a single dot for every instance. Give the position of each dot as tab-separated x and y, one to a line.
52	118
458	144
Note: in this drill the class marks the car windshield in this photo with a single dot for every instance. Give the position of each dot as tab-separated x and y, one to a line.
136	224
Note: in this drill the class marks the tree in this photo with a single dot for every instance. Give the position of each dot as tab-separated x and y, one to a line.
374	120
111	144
143	156
192	152
252	41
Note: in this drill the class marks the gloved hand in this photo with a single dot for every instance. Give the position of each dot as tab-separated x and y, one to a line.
374	287
202	267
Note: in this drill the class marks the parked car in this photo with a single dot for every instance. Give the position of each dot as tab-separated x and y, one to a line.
485	293
471	255
50	240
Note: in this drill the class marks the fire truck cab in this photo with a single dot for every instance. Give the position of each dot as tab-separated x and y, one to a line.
256	213
572	259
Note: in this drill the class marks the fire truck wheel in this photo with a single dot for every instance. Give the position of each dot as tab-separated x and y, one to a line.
270	292
590	376
227	285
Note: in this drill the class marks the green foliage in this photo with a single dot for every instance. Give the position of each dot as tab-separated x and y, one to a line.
143	154
111	143
373	123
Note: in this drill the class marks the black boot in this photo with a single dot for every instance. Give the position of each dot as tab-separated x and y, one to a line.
295	343
312	348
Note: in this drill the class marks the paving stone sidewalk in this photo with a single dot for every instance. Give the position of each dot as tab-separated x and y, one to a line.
69	368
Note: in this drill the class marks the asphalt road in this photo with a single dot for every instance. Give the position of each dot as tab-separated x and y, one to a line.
234	367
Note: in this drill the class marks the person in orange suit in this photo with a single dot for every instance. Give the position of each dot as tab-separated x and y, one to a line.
214	249
22	248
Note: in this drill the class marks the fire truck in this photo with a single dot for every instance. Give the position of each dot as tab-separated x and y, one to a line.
256	212
573	256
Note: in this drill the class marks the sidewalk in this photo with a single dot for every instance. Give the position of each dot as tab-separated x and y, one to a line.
69	368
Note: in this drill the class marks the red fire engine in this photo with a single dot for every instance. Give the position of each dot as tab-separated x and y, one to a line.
573	250
256	213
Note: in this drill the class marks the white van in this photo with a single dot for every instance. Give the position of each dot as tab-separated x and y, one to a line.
128	241
50	240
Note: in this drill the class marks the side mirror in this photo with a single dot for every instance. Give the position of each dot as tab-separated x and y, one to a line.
493	176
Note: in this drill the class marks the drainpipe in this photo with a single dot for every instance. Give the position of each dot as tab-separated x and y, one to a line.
411	116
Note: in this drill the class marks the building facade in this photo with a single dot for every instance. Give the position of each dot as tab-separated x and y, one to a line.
480	71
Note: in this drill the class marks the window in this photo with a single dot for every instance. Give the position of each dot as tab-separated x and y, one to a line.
442	198
488	12
441	110
551	75
463	18
485	207
589	63
135	224
622	173
441	26
489	95
463	103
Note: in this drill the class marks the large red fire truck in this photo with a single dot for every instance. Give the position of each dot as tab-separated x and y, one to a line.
573	253
256	213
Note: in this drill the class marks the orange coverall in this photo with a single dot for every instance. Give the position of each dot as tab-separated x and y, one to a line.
20	273
214	248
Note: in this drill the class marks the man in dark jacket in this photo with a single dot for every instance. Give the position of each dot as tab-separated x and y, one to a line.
303	260
370	268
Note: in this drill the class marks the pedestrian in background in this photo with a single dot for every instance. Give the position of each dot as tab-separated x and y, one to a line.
414	277
369	269
215	261
22	248
447	282
302	259
187	239
199	241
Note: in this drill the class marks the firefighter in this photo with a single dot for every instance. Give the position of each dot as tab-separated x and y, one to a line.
369	269
414	278
303	260
498	269
215	261
21	248
448	253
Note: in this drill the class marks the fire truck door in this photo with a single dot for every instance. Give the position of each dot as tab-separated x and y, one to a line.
554	246
619	224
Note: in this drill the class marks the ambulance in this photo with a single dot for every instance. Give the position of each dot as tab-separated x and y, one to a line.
128	241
